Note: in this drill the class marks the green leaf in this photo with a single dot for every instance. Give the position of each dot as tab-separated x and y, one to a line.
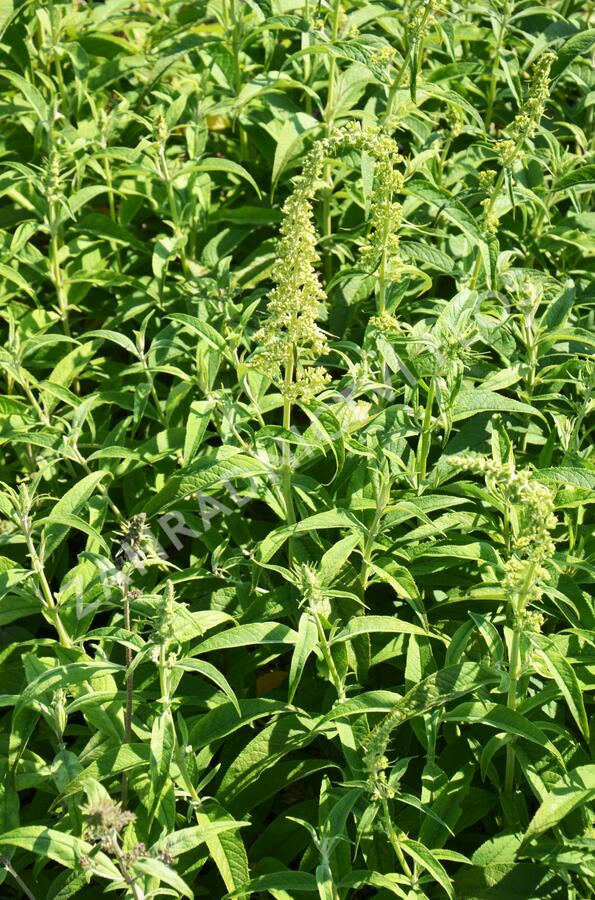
30	93
213	470
377	625
584	176
305	644
471	401
223	720
449	206
226	165
435	690
246	635
299	882
61	847
577	45
571	792
563	674
332	518
507	720
206	331
196	426
185	839
69	505
205	669
157	869
163	742
226	848
116	338
426	859
16	278
72	521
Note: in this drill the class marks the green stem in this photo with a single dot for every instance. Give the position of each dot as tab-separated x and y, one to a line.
382	269
328	656
493	197
531	347
327	224
286	487
495	68
413	45
164	677
50	603
383	496
392	91
58	276
173	206
112	203
426	435
511	702
394	840
129	692
515	667
307	59
5	863
43	417
101	486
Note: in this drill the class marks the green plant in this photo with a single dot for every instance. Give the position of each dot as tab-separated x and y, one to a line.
296	430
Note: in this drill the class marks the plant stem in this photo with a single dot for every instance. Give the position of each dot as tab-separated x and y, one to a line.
286	453
394	840
401	70
493	197
392	92
383	496
328	656
511	701
426	435
43	417
495	68
327	223
307	60
173	206
112	203
5	863
382	270
129	691
58	275
50	603
515	667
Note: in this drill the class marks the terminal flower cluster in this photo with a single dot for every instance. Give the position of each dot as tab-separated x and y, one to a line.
526	121
291	339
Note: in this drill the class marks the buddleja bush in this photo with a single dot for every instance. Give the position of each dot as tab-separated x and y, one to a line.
296	584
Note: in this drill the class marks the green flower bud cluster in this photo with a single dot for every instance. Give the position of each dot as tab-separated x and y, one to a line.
527	120
531	509
377	783
160	130
312	589
455	121
384	55
54	180
387	324
529	621
421	20
486	183
165	626
105	819
377	741
291	338
533	502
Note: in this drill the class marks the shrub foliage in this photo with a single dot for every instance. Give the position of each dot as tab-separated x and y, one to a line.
296	584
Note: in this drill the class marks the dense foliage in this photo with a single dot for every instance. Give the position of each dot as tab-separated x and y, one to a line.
296	584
